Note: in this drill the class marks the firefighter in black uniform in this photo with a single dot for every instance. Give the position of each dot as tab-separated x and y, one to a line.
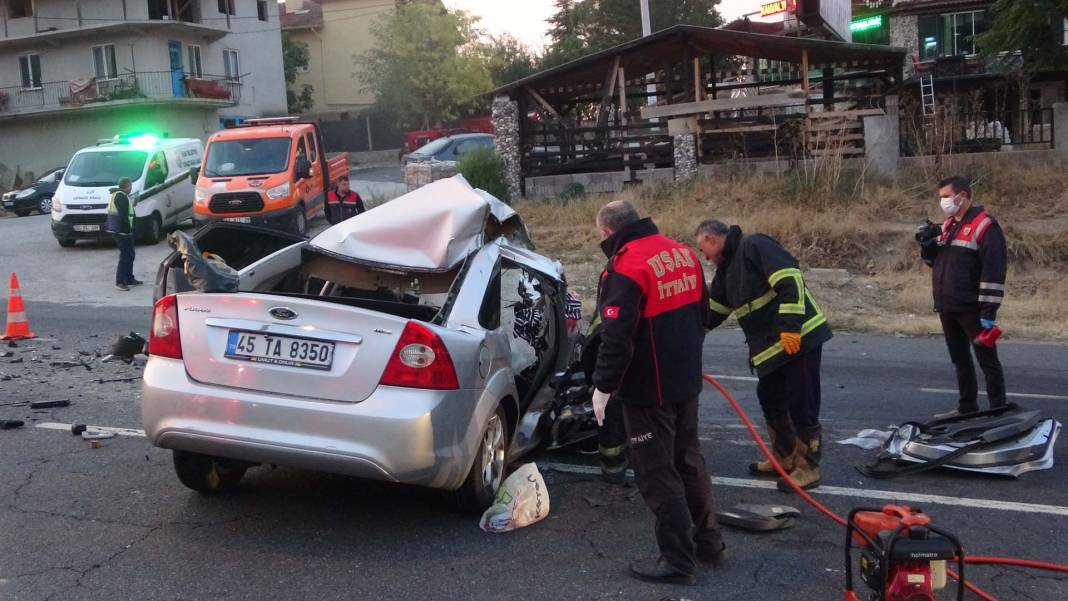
967	254
653	305
759	282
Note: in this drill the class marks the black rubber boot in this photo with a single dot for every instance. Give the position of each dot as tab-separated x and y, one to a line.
658	571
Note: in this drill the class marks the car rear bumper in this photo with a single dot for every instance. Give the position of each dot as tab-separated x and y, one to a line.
420	437
282	219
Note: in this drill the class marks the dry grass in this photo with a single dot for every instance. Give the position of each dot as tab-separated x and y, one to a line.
854	223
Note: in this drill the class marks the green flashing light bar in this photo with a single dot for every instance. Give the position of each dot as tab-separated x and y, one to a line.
866	24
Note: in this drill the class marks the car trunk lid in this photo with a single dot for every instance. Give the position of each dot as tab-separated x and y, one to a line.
360	342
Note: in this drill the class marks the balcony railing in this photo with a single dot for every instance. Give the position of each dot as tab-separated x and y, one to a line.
150	85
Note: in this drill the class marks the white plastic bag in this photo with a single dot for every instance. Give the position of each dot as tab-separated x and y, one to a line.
521	501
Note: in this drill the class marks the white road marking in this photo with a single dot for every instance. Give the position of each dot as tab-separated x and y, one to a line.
1022	395
858	493
739	378
117	431
839	491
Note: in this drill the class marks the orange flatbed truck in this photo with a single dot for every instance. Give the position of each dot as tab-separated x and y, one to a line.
267	172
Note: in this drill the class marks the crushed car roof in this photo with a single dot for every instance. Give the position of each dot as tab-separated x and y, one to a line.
432	228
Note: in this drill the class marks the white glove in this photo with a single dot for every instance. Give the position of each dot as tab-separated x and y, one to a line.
600	401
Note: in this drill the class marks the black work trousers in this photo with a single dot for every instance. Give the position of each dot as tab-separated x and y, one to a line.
790	400
612	440
124	270
960	330
673	480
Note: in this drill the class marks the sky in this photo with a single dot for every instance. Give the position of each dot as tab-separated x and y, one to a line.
525	19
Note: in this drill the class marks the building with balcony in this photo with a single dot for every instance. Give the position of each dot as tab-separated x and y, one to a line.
974	103
75	71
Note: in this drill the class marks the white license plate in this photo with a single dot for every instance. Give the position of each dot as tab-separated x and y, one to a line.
279	350
238	219
87	228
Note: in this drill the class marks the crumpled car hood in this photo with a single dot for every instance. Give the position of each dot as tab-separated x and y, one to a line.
429	229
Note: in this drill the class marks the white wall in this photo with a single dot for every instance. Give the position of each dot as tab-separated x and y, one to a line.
39	143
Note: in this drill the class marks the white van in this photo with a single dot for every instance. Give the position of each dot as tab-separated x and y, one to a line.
162	171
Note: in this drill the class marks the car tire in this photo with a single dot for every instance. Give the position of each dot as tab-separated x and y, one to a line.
65	242
44	206
476	494
207	474
154	233
23	212
300	221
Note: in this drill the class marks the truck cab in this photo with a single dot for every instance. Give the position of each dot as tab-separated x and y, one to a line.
268	172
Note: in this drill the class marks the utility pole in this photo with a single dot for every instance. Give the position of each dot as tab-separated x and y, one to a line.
647	28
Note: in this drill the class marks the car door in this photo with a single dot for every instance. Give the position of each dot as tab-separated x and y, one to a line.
318	178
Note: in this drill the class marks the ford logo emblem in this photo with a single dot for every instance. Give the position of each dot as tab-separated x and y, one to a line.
283	313
235	203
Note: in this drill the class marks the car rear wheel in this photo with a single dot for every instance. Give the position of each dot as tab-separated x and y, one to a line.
154	230
487	471
207	474
22	213
65	242
45	205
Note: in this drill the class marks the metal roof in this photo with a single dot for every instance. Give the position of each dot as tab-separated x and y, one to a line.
649	54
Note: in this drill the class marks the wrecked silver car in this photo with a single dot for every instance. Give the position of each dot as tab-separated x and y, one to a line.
413	343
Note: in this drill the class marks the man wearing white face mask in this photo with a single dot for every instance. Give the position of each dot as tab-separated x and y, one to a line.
967	255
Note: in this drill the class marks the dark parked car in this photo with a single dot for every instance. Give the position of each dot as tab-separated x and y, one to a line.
35	197
451	148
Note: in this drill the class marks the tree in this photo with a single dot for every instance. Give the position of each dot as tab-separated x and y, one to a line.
585	26
294	58
425	67
1031	28
508	59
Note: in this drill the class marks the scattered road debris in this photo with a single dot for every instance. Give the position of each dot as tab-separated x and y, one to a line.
11	424
77	429
48	404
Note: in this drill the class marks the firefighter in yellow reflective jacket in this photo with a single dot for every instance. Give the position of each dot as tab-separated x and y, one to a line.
759	282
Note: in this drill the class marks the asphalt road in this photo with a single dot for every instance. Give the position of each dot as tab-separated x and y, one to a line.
379	173
114	523
83	274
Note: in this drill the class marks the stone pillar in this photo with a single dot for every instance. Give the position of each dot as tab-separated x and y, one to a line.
685	157
1060	129
506	128
882	143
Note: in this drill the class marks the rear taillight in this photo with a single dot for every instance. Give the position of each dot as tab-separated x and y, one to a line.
164	340
420	360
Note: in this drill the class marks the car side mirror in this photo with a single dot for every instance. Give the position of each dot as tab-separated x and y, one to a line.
304	168
194	175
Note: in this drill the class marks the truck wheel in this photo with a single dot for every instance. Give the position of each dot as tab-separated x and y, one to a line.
207	474
154	232
301	221
476	494
65	242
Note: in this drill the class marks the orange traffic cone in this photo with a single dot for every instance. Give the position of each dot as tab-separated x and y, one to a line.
17	326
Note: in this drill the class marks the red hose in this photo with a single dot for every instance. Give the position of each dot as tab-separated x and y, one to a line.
837	518
1021	563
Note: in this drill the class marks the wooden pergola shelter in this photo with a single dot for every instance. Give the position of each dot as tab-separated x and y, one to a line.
741	95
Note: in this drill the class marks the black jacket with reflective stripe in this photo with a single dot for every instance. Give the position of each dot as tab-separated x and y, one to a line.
968	274
760	283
